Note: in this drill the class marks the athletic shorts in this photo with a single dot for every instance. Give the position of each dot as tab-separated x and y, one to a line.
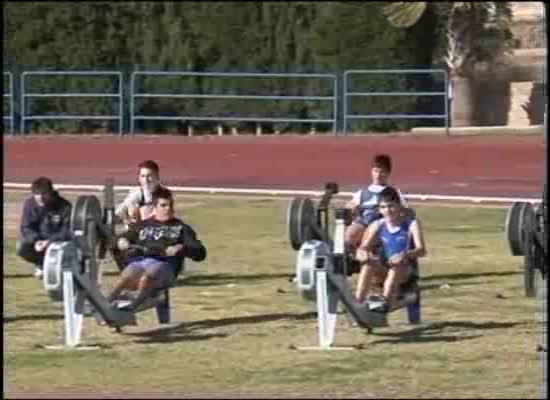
161	270
367	220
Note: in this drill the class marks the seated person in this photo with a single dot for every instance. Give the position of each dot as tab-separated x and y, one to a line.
137	206
169	240
364	202
46	218
393	266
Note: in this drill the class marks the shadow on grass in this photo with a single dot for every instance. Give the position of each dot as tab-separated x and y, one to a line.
183	331
41	317
225	278
431	332
468	246
18	276
30	275
433	286
179	337
452	277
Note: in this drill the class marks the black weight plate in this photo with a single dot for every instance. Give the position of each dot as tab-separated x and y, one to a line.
93	246
293	222
301	213
77	215
308	218
532	263
519	215
86	208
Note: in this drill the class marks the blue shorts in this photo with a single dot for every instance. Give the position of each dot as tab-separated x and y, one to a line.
367	219
162	271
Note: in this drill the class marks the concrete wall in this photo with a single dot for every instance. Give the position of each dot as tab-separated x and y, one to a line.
514	96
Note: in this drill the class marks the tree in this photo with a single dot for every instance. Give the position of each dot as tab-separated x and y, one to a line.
470	34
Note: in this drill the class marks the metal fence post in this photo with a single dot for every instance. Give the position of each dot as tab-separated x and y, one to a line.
344	102
447	103
338	111
9	96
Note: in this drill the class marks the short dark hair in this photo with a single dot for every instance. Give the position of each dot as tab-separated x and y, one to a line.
389	194
42	185
162	193
151	165
382	161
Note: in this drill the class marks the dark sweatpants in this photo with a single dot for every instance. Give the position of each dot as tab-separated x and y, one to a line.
26	251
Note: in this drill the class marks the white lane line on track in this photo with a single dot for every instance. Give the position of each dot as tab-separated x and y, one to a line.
281	192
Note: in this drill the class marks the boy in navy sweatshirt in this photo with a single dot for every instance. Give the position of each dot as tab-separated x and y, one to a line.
46	218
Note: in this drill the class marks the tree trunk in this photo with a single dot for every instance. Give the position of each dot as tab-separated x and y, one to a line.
461	108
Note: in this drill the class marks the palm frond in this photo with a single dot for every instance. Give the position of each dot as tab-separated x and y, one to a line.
404	14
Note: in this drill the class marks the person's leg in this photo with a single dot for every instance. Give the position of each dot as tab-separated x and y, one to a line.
26	251
371	270
158	274
129	280
396	276
352	235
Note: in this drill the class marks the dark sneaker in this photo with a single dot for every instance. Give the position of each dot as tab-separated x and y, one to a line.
377	303
122	304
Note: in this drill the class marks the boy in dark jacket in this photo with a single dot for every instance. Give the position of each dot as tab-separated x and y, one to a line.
46	218
165	242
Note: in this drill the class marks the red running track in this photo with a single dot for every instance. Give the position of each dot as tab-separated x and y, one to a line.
508	166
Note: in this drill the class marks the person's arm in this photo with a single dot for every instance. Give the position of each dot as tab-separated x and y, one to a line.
353	204
28	229
192	247
365	249
132	234
64	233
370	236
419	243
403	199
128	210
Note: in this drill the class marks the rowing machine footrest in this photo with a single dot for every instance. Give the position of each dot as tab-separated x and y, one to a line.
163	309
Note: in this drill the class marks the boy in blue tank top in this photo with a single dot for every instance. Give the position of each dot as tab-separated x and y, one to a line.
364	203
400	240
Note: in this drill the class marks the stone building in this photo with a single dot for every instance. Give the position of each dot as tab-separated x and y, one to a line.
511	95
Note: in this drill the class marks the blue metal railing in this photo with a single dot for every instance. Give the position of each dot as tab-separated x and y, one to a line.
29	117
136	94
330	94
10	97
348	94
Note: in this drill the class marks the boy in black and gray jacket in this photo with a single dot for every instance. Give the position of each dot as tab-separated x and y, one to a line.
165	241
46	218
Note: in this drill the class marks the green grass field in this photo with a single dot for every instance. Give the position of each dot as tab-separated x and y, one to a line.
236	314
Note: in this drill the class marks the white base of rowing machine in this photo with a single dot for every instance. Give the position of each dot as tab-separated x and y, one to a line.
76	348
329	348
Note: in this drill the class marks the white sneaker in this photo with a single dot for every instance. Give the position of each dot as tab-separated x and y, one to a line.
38	273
